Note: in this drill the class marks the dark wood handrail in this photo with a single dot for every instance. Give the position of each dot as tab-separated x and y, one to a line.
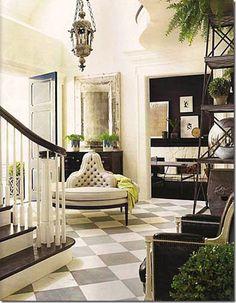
29	134
138	12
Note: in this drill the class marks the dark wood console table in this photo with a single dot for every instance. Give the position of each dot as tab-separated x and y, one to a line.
111	160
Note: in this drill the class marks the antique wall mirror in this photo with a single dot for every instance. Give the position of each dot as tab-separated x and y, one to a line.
97	105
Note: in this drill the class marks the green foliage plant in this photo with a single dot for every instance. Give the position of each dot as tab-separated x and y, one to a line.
114	137
18	166
104	136
174	123
74	137
219	87
191	17
110	138
208	275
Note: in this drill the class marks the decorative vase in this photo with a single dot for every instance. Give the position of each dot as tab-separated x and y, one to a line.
220	100
75	145
164	134
223	144
224	152
107	145
174	135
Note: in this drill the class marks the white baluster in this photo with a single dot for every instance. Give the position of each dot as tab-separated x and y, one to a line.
38	200
1	184
148	294
63	229
48	203
7	188
22	207
29	210
15	208
47	232
57	232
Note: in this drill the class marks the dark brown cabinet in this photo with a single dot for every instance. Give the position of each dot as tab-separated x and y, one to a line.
111	160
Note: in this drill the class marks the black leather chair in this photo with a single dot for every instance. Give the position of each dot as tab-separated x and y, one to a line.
167	252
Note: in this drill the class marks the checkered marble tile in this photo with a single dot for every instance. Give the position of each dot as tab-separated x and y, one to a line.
106	254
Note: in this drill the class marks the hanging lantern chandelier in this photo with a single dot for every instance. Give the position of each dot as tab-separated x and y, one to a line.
82	33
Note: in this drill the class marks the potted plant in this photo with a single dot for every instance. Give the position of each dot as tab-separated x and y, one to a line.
174	123
191	16
75	141
208	275
219	90
114	138
109	141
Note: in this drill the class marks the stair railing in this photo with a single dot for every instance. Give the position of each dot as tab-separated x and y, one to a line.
18	141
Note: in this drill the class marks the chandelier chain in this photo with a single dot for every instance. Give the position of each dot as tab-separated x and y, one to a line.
79	7
91	15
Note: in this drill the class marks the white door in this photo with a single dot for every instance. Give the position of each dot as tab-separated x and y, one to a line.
43	113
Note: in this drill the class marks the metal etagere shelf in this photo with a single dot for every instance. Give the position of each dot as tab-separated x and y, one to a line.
219	46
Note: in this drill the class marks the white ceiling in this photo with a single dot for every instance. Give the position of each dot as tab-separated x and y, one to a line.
21	10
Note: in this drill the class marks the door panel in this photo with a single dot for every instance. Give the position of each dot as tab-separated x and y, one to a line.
43	114
43	106
41	92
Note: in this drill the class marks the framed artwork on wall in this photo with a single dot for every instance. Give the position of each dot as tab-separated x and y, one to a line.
186	104
159	114
187	124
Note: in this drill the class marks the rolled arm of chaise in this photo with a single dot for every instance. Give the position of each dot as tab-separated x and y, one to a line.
109	179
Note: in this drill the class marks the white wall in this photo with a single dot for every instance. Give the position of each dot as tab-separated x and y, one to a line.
26	50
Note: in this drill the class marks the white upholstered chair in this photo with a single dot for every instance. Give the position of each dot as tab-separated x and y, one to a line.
94	188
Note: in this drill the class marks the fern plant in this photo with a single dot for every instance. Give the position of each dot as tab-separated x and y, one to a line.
75	137
191	17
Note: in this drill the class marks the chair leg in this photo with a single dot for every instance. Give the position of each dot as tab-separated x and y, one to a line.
126	214
121	209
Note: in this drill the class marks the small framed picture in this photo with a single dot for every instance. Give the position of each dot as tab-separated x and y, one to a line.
186	104
187	124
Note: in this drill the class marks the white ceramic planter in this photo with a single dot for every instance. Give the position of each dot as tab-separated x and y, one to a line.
107	145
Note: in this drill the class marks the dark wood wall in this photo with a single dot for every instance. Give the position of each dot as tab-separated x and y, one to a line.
172	88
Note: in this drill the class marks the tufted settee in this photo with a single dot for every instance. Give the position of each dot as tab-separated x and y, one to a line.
91	174
94	188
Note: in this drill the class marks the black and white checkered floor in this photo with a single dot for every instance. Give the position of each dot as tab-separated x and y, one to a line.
107	254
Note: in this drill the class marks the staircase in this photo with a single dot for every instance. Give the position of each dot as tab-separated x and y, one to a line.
33	240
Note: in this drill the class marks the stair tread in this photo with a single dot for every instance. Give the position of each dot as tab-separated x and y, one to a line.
4	208
23	259
10	231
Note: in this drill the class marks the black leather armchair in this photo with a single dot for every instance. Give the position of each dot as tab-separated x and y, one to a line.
167	252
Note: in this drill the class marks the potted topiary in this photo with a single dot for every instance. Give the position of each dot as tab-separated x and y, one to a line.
75	141
208	275
219	90
191	16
